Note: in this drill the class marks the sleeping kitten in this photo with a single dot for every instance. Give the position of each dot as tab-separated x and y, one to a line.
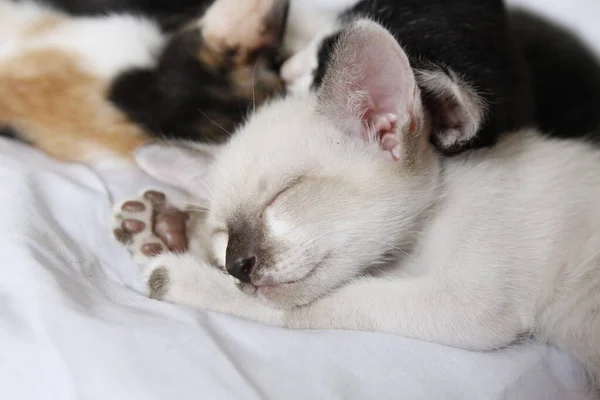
333	211
93	88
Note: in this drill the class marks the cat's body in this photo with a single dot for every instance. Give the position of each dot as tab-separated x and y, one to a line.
179	73
93	88
170	15
55	72
334	211
565	77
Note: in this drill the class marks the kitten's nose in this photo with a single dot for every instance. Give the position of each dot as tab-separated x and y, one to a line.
242	268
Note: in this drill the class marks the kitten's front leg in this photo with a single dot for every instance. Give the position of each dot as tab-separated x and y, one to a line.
427	308
156	234
183	279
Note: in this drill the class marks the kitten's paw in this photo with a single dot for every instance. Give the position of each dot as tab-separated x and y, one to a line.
298	72
186	280
159	281
148	226
183	279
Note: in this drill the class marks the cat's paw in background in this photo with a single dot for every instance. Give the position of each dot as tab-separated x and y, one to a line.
299	70
148	225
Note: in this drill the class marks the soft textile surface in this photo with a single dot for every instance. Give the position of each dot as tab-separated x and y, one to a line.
73	327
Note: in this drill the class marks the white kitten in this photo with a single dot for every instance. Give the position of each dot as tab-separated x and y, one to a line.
334	211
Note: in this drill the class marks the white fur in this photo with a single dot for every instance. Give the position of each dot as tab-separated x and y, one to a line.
308	21
510	247
194	283
469	111
298	71
486	246
306	29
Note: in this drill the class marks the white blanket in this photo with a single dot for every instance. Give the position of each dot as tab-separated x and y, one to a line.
72	325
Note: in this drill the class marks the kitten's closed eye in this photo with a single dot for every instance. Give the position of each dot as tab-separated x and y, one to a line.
270	202
287	187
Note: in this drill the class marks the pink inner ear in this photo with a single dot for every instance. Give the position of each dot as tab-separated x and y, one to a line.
384	128
370	88
385	131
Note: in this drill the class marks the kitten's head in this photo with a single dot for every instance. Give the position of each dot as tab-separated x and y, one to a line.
314	190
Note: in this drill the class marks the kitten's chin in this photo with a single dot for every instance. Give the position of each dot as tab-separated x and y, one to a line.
288	295
285	295
297	293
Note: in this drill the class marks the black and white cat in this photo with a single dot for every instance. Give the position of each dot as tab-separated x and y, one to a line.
482	69
473	78
333	210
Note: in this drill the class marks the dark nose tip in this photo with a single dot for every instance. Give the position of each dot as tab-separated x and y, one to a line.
242	269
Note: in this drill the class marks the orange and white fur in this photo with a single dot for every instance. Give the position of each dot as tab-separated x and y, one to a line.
54	74
56	71
354	222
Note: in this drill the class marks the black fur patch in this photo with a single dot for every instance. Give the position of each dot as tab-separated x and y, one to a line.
323	57
565	76
471	39
171	14
10	133
182	97
529	71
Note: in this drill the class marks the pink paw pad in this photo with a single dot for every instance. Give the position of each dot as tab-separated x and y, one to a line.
149	226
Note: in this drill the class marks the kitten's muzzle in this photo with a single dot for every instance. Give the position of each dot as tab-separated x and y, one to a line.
242	268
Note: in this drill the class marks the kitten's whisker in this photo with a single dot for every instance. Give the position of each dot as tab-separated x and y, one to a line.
196	210
194	179
393	247
211	194
253	86
214	122
189	206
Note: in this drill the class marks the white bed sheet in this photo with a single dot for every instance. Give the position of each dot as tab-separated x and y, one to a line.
73	327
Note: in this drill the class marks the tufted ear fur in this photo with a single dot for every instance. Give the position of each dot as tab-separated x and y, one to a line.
457	112
369	90
370	87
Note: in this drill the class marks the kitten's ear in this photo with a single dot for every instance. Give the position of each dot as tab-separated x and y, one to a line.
457	111
181	164
370	91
